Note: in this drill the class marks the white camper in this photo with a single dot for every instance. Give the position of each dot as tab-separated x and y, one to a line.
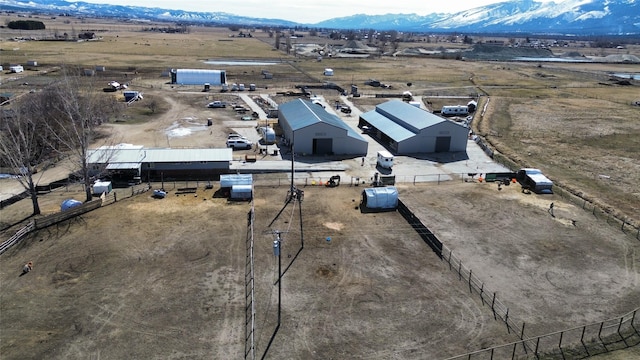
328	72
385	159
455	110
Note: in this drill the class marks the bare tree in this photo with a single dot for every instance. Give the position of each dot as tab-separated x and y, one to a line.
73	109
277	42
22	147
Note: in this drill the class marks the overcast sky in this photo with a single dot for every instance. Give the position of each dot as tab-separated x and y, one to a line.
311	11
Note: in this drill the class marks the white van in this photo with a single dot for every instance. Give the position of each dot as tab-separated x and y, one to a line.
385	159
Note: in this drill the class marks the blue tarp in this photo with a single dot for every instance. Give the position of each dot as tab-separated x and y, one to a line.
69	203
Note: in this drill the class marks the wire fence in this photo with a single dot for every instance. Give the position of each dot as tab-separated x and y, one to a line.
571	344
43	222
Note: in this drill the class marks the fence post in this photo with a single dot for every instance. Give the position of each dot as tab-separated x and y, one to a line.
114	197
522	336
619	333
600	336
481	291
460	270
506	321
470	273
450	253
560	344
492	308
582	341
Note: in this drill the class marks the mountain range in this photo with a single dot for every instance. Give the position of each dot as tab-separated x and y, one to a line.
572	17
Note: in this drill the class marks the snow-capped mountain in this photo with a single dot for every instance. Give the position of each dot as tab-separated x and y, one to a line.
579	17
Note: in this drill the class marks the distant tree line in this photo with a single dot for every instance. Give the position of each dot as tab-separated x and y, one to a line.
26	25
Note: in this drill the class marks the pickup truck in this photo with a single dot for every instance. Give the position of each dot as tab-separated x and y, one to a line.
534	180
216	104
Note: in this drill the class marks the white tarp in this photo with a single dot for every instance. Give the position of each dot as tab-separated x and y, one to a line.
380	197
229	180
241	192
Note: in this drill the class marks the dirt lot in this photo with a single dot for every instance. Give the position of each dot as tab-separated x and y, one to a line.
167	279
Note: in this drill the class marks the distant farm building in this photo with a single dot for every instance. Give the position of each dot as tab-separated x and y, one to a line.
314	131
406	129
198	77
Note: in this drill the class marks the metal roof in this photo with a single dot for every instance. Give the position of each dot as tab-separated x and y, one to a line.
302	113
392	129
400	120
123	166
412	116
114	155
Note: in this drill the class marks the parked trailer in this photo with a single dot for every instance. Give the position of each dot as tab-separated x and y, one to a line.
534	180
455	110
384	159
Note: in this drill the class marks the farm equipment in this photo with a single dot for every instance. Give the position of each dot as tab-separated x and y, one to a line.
333	181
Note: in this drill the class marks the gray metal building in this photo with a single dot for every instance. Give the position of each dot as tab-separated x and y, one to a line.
406	129
314	131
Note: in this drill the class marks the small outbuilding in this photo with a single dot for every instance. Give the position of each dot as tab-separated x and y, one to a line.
241	192
328	72
380	198
198	77
229	180
100	187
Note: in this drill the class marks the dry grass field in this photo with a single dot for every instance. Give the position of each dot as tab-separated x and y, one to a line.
167	279
151	279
